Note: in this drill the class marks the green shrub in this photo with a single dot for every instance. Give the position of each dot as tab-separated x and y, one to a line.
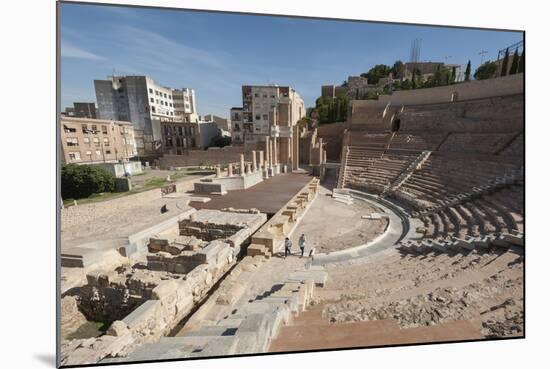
80	181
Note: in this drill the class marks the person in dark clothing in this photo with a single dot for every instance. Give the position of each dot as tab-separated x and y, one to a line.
288	246
302	244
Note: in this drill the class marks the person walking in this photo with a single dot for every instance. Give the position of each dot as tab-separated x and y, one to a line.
288	246
302	244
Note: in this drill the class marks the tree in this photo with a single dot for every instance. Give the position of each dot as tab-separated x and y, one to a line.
504	69
468	71
375	73
486	70
414	79
370	95
515	63
521	66
332	109
398	69
79	181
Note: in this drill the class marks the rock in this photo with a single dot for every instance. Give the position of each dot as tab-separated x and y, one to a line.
117	329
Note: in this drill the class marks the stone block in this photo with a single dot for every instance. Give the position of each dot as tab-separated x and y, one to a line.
141	314
118	328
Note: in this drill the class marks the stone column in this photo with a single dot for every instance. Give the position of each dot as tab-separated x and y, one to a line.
275	151
261	159
218	171
254	166
271	153
242	164
295	142
230	170
248	168
267	152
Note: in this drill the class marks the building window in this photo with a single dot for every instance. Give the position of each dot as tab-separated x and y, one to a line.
74	155
156	92
256	95
98	153
96	141
104	130
108	152
72	141
69	129
94	129
264	117
87	140
265	96
153	109
152	100
257	116
84	129
89	153
165	96
106	141
150	90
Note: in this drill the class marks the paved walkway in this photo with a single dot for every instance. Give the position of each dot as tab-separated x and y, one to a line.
268	196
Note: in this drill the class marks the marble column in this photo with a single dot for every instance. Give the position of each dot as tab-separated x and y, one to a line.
271	154
275	151
248	169
218	171
242	164
267	152
261	159
254	166
230	170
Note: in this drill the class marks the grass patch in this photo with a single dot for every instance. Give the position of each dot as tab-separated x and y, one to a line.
88	330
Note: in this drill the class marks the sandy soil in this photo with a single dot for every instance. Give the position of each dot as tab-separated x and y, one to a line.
331	225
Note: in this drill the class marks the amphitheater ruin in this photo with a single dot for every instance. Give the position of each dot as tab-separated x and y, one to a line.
413	213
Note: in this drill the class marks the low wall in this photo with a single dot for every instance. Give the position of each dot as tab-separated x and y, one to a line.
269	238
494	87
212	156
120	169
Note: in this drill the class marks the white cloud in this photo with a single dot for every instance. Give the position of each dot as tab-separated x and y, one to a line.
70	51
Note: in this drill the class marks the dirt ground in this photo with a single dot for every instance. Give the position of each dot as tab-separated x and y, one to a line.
331	225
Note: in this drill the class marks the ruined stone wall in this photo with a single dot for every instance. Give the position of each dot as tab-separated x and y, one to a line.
225	155
332	134
377	115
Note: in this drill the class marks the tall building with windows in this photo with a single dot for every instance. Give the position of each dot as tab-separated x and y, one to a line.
144	103
94	141
185	109
268	111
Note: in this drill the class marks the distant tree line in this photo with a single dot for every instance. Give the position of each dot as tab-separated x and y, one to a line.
332	109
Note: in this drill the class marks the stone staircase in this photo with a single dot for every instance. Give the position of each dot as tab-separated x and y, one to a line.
249	328
512	241
342	171
343	197
415	165
510	178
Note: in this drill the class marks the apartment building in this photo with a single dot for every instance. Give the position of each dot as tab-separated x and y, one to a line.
268	111
81	110
237	131
94	141
179	137
185	109
144	103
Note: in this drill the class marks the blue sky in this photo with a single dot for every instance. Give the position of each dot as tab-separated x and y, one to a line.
216	53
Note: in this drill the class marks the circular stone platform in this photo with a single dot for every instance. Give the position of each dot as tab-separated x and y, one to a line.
333	226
